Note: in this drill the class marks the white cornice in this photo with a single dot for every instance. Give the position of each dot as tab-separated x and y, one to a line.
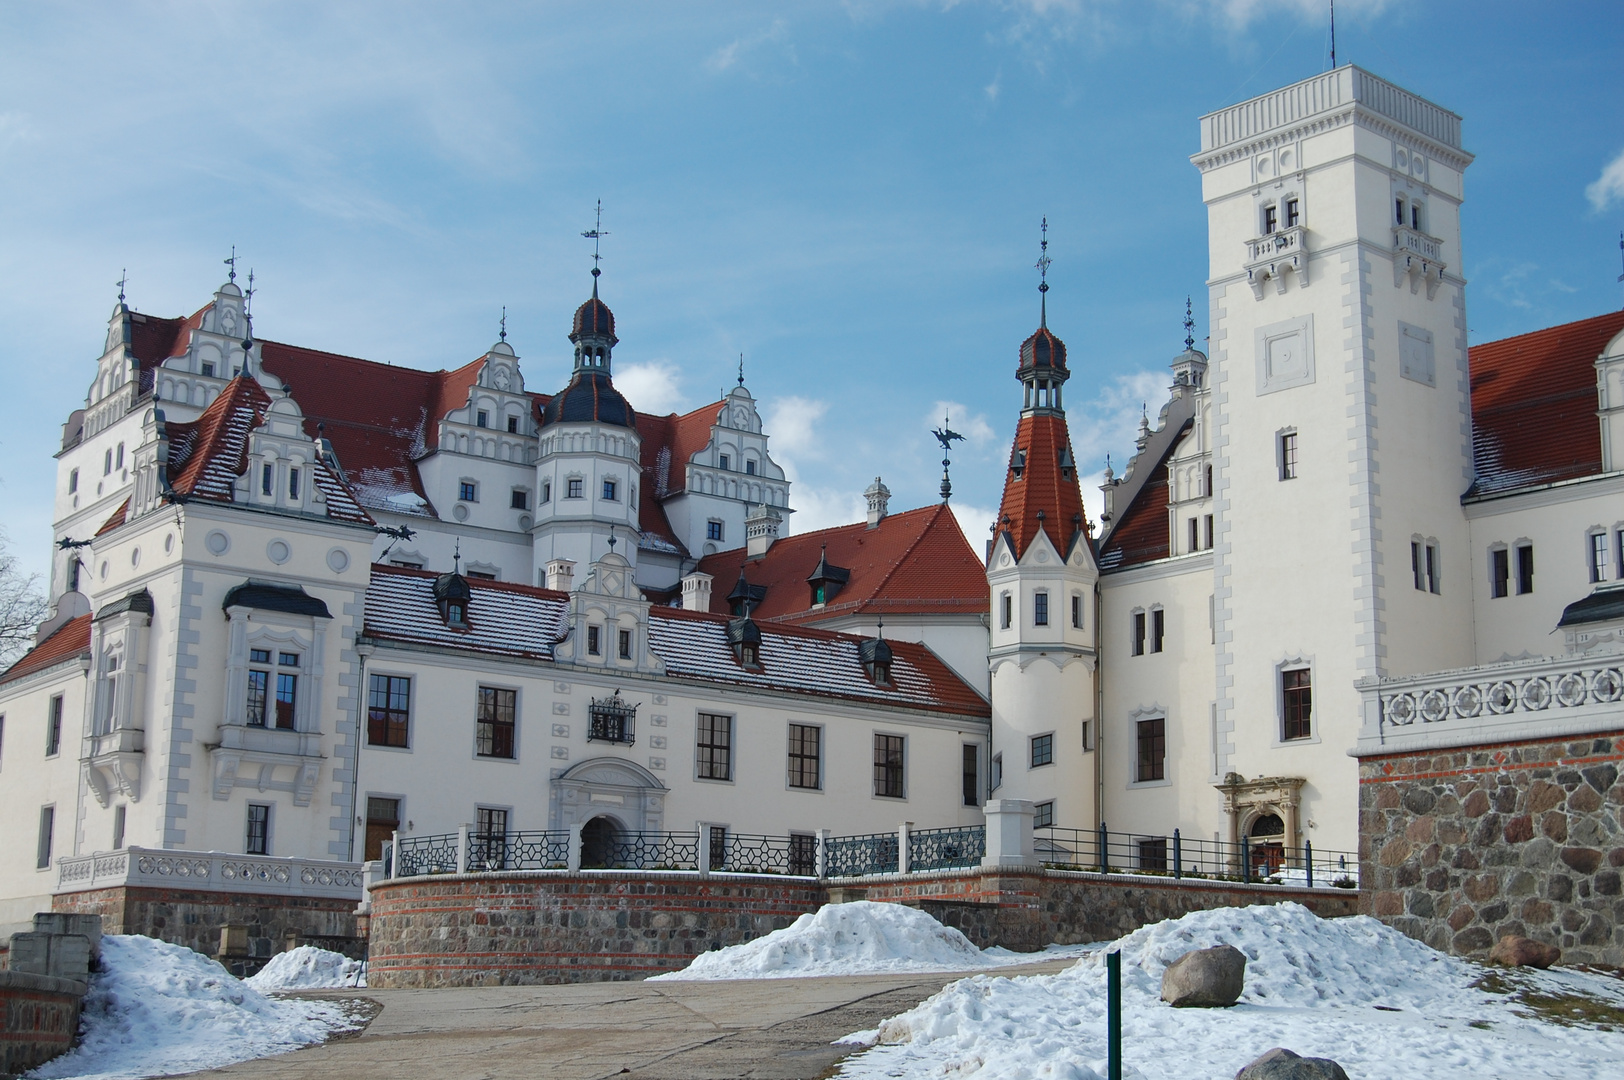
1532	498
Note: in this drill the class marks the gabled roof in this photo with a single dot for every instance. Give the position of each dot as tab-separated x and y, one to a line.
1140	533
71	639
1534	405
1044	486
116	518
915	562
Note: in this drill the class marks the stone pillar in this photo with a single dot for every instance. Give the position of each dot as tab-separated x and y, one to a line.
574	863
1009	835
823	853
462	849
704	850
902	846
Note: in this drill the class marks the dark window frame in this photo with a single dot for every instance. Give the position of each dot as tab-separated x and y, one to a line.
53	726
890	766
467	491
257	835
47	837
1040	750
496	722
1138	633
713	746
806	757
1040	608
1499	573
1525	569
1151	742
389	706
1296	704
1158	630
970	772
1043	814
1288	455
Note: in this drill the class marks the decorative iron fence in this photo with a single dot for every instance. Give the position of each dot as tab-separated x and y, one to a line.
519	851
416	855
741	853
647	851
1103	851
858	856
947	849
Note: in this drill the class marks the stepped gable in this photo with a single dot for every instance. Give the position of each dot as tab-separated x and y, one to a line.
1534	405
915	562
1045	484
154	340
207	455
71	639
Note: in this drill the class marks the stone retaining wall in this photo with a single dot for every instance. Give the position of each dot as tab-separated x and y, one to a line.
39	1019
1460	847
553	926
194	918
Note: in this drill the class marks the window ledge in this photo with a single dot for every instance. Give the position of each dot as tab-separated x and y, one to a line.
1132	784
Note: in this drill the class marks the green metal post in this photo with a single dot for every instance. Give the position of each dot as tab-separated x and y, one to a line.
1113	1015
1308	857
1178	856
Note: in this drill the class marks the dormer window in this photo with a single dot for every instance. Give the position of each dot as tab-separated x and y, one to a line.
1019	465
482	419
744	638
875	654
451	593
826	580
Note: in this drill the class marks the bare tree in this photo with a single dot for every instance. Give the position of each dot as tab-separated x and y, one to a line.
22	606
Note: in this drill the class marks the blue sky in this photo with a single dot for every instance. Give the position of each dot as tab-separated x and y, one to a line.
848	193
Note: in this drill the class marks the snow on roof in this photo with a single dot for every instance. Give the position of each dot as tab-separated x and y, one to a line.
503	618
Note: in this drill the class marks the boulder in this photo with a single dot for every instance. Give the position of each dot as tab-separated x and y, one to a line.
1205	978
1514	951
1282	1064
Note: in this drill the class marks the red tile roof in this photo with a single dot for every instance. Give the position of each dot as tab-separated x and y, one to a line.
1044	487
118	517
914	562
154	340
1534	405
1140	534
71	639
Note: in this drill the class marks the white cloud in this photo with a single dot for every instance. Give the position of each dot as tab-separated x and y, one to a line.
823	508
1609	186
728	55
791	422
992	88
654	387
974	520
973	426
1108	422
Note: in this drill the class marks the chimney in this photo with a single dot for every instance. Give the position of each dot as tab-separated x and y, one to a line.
560	574
878	496
696	592
760	530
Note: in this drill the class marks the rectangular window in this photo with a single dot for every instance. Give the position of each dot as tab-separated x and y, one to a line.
1398	210
573	488
1598	557
2	735
519	500
1043	815
1415	566
1430	565
1195	535
1158	629
1139	633
1153	853
383	818
805	756
388	710
287	689
546	492
481	575
1618	548
888	766
609	491
259	683
1297	704
625	644
1077	611
995	773
1040	608
749	468
107	462
73	573
723	462
73	481
53	727
1087	741
803	854
718	846
120	463
208	368
258	841
1525	569
971	773
1288	456
1293	214
1206	532
466	491
487	847
267	480
713	530
293	483
482	419
1042	750
119	814
1007	615
1152	759
714	741
513	425
1499	572
47	827
498	710
594	641
1271	219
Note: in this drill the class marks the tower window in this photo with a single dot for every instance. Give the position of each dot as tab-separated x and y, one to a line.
1042	750
1292	213
625	644
1598	556
1398	210
1499	573
107	462
1139	633
73	481
1525	569
724	462
293	483
520	499
594	641
546	492
1152	756
1158	629
1077	611
610	490
749	468
53	727
467	491
713	529
1271	219
1043	815
1288	455
47	829
1040	608
1007	615
267	479
119	464
573	488
482	419
1297	704
513	425
208	368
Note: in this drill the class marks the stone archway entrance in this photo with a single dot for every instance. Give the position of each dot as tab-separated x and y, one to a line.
1265	811
620	791
600	842
1268	843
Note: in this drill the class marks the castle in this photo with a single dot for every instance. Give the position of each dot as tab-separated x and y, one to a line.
305	602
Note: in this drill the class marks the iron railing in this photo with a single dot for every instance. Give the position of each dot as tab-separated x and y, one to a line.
947	849
742	853
858	856
1102	851
519	851
416	855
644	851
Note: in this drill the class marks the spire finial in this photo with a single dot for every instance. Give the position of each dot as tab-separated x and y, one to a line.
741	369
611	539
232	262
1621	251
124	275
594	234
880	628
1333	35
503	335
247	320
456	557
947	437
1189	327
1043	275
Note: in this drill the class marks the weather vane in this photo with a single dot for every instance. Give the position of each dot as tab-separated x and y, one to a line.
232	262
741	369
124	275
947	437
1043	274
503	335
594	234
1189	327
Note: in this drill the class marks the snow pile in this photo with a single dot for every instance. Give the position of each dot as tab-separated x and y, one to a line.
1354	990
308	968
156	1009
858	938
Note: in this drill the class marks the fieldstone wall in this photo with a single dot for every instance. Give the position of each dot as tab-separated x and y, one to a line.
1460	847
552	926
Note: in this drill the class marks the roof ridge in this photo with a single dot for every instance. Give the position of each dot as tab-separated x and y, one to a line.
1549	329
909	550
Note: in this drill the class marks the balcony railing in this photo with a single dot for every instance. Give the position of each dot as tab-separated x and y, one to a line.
1271	255
211	871
1275	245
1520	699
1416	242
1257	860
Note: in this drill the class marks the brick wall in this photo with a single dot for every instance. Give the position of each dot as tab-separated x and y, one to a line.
193	917
548	927
39	1018
1460	847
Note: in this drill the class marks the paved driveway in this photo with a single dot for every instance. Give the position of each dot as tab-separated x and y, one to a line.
778	1029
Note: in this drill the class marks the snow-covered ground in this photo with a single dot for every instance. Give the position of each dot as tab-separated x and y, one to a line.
308	968
859	938
157	1009
1354	990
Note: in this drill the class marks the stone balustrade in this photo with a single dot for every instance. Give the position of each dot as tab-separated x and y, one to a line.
211	871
